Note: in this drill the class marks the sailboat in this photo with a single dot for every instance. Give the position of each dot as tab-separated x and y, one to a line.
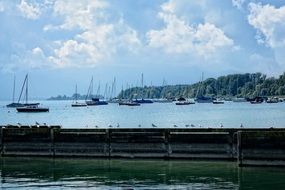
200	98
182	101
143	101
76	103
29	107
14	104
218	101
93	101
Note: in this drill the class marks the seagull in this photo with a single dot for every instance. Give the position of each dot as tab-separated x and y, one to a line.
118	125
19	124
221	125
175	125
186	125
200	126
96	126
241	126
153	125
37	123
140	126
193	125
110	126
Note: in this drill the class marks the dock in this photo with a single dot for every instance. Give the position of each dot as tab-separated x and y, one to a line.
246	146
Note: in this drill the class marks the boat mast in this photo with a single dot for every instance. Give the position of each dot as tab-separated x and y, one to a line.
14	88
142	86
90	89
98	90
22	89
27	84
76	93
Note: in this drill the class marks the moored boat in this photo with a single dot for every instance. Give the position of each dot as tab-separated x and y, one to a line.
32	109
18	104
184	103
29	107
143	101
96	102
76	103
218	101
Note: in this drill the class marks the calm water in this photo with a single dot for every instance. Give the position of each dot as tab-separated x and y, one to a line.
24	173
163	115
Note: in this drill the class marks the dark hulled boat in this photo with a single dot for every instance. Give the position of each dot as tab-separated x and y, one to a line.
184	103
143	101
29	107
96	102
32	109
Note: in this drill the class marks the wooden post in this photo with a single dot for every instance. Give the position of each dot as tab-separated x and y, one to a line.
52	151
239	148
1	140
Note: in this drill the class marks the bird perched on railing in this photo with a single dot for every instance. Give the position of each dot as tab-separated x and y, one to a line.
153	125
193	125
175	125
140	126
187	125
241	126
110	126
221	125
37	123
96	126
118	125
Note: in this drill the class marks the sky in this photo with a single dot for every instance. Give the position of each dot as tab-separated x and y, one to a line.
61	43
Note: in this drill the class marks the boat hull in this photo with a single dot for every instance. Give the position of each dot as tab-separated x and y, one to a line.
218	102
32	110
78	105
184	103
93	103
143	101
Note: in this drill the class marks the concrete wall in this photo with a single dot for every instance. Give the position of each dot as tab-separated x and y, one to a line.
261	148
248	146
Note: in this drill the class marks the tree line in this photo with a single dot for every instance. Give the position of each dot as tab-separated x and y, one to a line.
233	85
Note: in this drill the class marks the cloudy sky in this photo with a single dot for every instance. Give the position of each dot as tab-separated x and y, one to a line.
63	43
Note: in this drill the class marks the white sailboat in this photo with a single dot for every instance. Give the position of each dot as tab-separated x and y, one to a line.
76	103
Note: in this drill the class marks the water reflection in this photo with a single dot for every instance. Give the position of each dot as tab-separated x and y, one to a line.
35	173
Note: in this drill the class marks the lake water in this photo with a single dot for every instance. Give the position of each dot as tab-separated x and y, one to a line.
43	173
161	114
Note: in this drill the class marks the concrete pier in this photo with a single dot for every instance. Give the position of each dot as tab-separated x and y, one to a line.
256	146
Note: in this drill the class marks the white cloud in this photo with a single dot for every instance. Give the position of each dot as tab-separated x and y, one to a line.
30	11
179	37
98	38
269	22
238	3
2	8
82	14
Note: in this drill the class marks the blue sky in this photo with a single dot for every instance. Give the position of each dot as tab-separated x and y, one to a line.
61	43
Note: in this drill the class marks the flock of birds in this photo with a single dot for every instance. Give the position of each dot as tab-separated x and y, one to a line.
118	125
154	126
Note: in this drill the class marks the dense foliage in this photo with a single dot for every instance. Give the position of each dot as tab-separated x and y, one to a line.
235	85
